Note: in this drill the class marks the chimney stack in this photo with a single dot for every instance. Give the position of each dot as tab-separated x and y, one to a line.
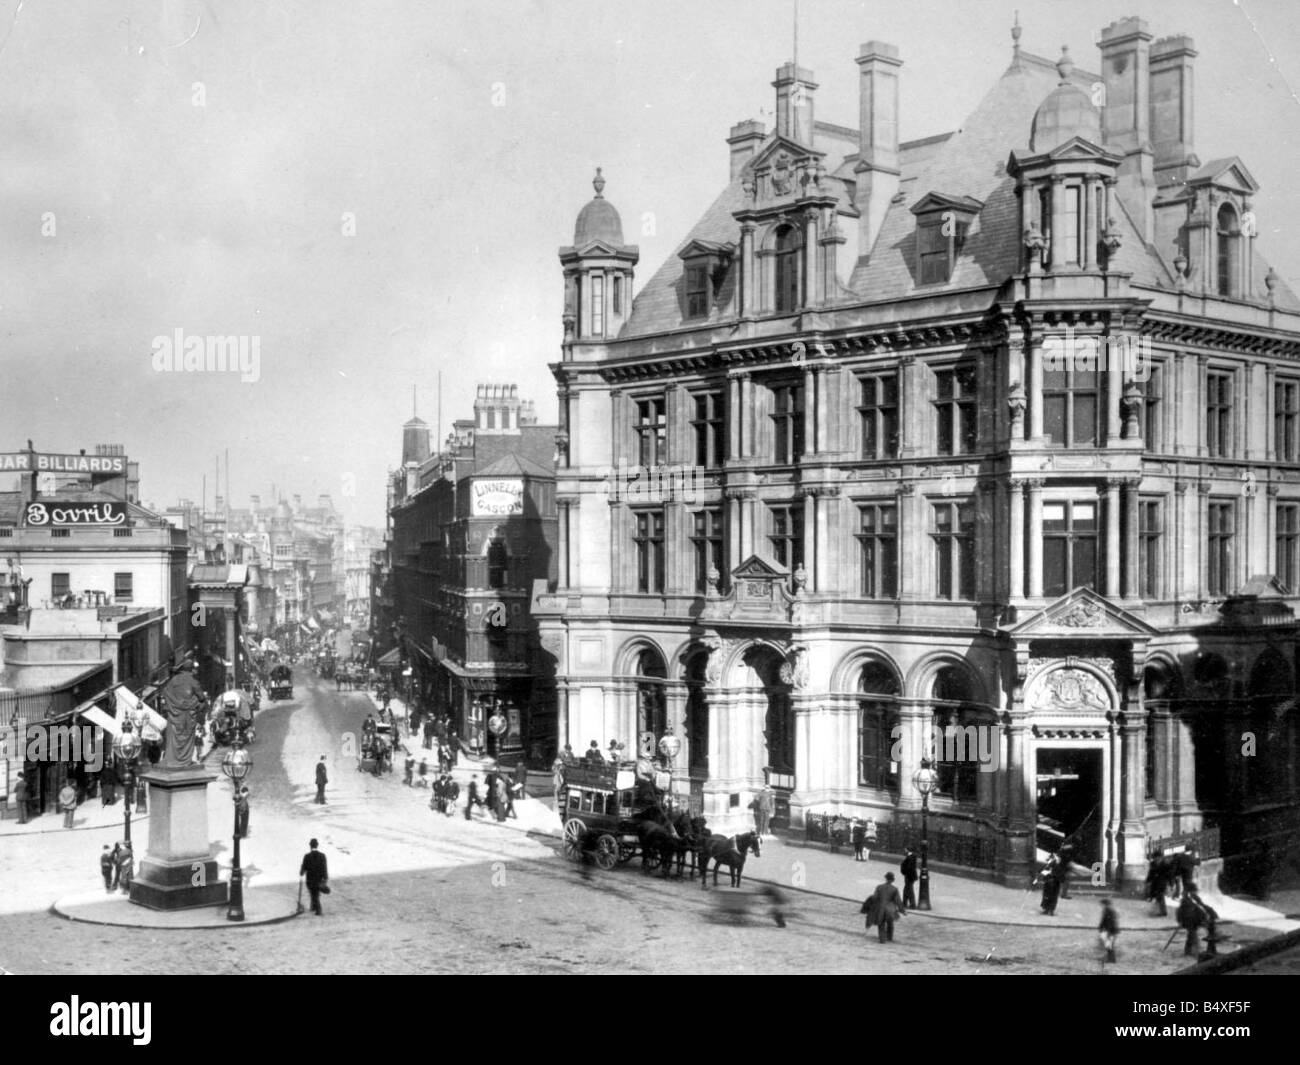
794	103
256	502
744	140
1172	117
877	170
1125	66
297	504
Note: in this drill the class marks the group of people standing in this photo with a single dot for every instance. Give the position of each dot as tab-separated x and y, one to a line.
117	867
498	793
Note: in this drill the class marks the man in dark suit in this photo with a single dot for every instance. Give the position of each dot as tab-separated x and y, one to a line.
883	907
321	780
908	869
20	793
316	870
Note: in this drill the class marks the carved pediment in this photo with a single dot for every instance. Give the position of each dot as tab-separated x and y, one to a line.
938	201
1228	173
707	249
759	567
1084	613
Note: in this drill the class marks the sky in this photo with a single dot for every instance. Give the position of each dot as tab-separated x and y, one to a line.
376	192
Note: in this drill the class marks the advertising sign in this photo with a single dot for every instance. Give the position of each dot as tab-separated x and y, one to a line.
497	498
41	462
50	514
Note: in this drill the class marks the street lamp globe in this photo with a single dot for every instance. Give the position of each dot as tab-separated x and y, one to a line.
237	764
925	778
127	744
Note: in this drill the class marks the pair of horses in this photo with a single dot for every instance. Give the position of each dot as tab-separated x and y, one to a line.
671	838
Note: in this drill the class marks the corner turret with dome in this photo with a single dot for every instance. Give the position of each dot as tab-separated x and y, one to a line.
598	272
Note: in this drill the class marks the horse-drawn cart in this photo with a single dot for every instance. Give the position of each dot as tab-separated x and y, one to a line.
281	683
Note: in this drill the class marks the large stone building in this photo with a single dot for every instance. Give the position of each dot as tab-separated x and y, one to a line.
997	429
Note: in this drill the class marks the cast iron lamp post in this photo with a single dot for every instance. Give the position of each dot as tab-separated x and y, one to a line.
127	748
237	764
925	779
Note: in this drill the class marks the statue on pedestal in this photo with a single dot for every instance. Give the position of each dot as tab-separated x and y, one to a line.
182	703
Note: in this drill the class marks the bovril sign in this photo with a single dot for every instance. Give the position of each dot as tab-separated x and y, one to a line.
59	514
498	498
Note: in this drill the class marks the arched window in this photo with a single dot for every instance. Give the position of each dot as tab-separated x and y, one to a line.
955	735
877	717
786	270
651	712
1229	252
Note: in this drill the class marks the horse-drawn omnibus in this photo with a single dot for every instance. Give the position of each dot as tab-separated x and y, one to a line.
603	811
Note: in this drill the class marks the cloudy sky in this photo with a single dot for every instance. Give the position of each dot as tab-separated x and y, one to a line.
377	191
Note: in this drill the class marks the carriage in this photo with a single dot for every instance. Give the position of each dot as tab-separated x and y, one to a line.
603	808
281	683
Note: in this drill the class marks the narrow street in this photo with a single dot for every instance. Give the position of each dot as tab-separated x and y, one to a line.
417	892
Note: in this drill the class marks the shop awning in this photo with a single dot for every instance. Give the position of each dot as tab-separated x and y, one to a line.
390	659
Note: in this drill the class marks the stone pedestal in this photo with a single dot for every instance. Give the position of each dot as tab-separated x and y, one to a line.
178	871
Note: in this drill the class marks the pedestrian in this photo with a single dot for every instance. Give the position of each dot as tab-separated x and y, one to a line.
859	839
518	785
1066	856
883	907
106	868
502	795
1155	886
1051	886
126	868
241	812
428	733
107	786
777	900
409	770
20	793
756	805
316	870
557	776
322	778
424	773
117	864
908	868
471	797
1108	929
767	798
873	837
1187	861
593	755
1193	914
452	791
68	802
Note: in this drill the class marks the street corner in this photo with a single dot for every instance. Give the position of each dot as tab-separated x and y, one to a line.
91	907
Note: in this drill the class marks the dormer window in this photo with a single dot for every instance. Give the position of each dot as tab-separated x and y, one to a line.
941	226
697	292
786	270
706	265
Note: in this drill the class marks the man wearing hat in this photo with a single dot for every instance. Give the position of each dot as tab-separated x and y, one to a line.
316	870
883	907
908	869
322	778
20	793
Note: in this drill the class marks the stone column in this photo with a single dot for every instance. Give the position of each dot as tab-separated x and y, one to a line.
748	418
1131	576
562	562
748	270
811	295
914	717
810	552
1019	852
749	530
822	579
1034	487
734	557
1114	393
1112	538
733	418
1132	850
1034	388
809	411
1088	211
1016	538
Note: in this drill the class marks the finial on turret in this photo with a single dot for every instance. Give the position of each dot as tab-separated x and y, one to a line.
598	183
1015	33
1065	65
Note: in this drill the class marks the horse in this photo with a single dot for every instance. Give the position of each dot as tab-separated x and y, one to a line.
729	851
